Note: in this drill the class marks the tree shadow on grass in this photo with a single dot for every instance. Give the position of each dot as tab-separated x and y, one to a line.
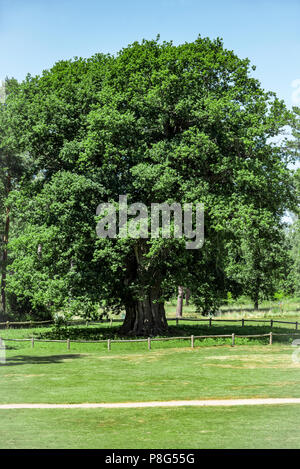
200	328
228	329
44	360
10	347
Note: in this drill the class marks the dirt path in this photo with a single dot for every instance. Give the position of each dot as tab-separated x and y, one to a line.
119	405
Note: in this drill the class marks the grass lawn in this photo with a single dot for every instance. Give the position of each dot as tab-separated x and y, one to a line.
49	373
280	309
176	428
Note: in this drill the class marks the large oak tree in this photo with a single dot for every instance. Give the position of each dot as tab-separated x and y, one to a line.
159	123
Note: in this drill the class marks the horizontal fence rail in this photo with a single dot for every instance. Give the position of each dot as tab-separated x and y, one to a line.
149	340
210	320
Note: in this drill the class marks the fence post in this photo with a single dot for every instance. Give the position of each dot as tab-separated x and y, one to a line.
149	343
271	323
68	344
32	342
7	324
233	340
108	344
209	322
176	321
243	322
271	338
111	323
192	341
296	323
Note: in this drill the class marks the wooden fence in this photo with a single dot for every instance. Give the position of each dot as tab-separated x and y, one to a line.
210	321
149	340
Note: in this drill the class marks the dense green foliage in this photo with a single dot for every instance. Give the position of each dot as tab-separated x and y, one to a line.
14	167
159	123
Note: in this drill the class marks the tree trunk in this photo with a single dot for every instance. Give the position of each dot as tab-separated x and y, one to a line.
179	302
145	317
187	296
4	262
256	294
4	254
145	312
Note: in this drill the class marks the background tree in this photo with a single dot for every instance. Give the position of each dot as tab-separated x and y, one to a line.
294	144
12	169
259	262
293	236
179	301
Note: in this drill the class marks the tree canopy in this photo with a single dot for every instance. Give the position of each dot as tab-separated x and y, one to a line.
157	123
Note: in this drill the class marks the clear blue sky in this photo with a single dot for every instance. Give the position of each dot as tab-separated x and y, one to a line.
34	34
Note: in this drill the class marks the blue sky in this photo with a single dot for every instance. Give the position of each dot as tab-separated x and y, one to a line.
34	34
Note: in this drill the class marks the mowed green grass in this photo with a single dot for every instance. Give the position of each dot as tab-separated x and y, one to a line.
89	372
50	373
158	428
54	375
